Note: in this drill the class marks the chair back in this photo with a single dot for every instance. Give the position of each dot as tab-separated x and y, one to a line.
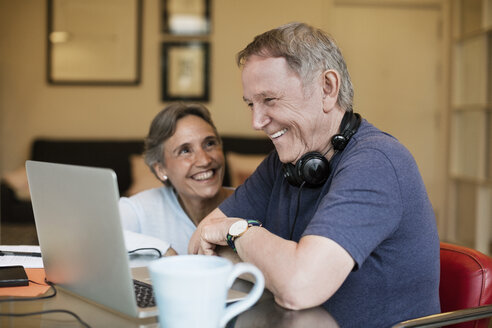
466	281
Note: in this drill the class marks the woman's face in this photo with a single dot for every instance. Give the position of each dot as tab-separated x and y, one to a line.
193	159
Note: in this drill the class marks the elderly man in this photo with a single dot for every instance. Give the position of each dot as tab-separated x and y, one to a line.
338	215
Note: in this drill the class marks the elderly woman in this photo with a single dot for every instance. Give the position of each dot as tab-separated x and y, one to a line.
184	151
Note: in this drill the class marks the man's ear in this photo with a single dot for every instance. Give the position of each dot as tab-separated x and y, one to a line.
331	87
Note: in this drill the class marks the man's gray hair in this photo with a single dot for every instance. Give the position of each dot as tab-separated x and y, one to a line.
308	51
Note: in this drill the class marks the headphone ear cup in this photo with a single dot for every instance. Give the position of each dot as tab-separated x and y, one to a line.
339	142
290	175
313	168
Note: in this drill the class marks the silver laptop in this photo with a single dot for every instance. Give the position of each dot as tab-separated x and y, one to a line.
80	234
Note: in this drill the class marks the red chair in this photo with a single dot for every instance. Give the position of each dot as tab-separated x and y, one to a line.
465	290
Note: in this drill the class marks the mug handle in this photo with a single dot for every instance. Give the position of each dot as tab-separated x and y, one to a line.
250	299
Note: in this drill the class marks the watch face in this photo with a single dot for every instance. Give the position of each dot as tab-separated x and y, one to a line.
237	228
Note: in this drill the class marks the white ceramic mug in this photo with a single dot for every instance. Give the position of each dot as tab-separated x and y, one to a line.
191	290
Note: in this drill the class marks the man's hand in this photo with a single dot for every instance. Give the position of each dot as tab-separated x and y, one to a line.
212	231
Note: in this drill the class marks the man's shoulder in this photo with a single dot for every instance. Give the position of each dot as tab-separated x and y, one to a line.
368	134
371	139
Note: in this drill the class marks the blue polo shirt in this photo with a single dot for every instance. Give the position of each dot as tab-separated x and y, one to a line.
375	205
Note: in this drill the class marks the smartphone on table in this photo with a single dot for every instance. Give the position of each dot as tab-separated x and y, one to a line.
14	275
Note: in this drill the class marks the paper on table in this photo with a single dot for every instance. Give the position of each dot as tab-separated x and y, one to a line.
135	240
25	261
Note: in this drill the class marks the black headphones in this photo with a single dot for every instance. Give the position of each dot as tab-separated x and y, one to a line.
313	168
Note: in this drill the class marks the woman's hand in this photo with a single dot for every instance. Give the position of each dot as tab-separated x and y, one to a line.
170	252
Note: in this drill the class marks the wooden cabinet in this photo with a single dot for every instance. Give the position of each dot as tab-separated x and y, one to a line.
471	123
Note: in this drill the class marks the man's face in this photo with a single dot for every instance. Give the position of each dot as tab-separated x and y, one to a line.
292	116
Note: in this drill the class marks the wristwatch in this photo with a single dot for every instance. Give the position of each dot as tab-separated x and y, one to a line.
237	229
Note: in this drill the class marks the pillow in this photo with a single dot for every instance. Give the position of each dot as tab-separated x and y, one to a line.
241	166
17	180
141	176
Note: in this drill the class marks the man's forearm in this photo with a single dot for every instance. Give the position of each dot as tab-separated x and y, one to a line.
228	253
300	275
274	256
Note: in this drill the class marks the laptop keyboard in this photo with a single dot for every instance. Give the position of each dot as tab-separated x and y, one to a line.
144	294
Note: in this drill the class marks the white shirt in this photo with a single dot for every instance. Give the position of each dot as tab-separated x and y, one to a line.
157	212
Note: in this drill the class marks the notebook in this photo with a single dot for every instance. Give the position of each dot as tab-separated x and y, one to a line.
81	238
80	234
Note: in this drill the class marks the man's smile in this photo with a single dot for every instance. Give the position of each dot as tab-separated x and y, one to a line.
278	134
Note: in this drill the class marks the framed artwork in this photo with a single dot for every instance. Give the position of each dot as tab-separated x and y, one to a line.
94	42
186	17
185	71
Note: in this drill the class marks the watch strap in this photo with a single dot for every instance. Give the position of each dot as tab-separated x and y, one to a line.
230	238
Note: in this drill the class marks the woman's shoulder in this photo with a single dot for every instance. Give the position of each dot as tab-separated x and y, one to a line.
152	194
152	202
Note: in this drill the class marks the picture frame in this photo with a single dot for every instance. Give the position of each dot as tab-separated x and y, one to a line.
94	42
185	71
186	17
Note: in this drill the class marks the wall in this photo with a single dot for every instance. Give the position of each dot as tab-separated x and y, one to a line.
399	72
29	107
